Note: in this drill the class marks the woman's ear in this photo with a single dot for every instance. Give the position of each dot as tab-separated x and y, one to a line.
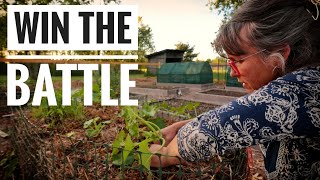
286	52
278	61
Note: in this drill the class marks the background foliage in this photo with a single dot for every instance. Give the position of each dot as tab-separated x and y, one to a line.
188	55
227	7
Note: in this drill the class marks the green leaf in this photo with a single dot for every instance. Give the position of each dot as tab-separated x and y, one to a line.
78	93
133	128
117	159
117	142
160	122
92	133
96	88
60	112
148	110
70	134
128	146
130	116
99	126
3	161
93	129
9	164
147	134
90	122
96	97
145	154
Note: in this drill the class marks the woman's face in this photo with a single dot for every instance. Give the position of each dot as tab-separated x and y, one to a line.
253	72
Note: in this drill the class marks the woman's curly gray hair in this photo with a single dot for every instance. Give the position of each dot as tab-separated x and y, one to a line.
273	24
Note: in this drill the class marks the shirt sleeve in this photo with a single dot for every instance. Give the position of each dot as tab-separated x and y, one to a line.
277	111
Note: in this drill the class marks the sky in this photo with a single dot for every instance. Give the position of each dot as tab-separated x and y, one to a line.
187	21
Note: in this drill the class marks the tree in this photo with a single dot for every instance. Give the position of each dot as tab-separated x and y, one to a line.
226	6
188	54
145	40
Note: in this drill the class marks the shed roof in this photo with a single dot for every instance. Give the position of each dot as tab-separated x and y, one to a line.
164	51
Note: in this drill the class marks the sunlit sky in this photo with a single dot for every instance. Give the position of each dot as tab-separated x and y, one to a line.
188	21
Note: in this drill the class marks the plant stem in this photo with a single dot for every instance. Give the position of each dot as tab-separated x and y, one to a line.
147	123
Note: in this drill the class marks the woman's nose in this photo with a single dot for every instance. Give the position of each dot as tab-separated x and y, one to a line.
233	73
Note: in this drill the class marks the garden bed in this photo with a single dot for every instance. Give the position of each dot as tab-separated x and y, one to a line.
66	152
192	87
57	146
160	93
215	96
225	92
179	109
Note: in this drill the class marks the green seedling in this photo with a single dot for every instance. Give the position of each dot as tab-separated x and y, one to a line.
141	130
93	129
54	115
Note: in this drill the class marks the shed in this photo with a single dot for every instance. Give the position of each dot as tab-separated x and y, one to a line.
186	73
162	57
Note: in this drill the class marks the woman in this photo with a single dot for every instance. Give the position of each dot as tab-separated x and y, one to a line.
273	48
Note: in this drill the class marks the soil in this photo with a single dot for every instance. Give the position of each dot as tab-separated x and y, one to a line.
75	84
145	81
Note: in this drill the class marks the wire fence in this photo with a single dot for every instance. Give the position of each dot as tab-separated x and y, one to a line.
44	154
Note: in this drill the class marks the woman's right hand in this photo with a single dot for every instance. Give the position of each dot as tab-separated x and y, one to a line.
168	133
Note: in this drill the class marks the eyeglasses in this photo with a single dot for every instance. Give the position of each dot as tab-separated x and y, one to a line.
232	62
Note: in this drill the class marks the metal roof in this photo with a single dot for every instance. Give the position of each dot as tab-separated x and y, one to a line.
163	52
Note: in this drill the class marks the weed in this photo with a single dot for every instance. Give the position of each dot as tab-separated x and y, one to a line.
181	110
9	165
93	129
137	136
56	114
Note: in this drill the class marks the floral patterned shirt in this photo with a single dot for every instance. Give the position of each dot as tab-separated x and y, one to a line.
283	117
